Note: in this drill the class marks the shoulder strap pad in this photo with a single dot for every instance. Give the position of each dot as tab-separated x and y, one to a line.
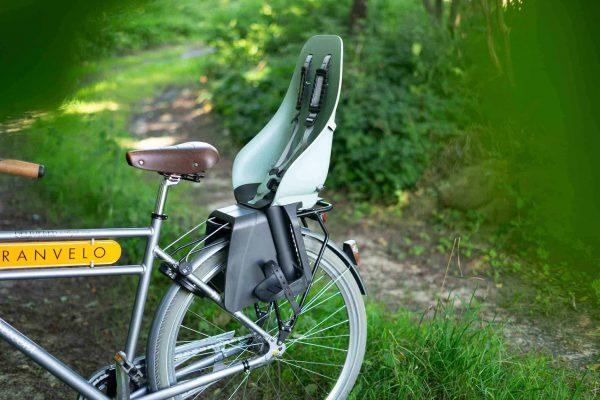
304	73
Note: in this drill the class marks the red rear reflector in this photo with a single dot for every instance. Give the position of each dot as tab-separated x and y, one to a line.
325	217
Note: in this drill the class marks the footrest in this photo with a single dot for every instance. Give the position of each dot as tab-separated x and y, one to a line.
270	289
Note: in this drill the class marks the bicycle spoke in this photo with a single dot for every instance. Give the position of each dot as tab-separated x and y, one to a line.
318	350
193	330
315	363
311	337
271	382
283	360
238	387
318	304
245	387
320	345
205	319
325	288
325	320
319	331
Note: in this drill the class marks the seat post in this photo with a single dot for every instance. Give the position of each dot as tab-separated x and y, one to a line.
140	299
161	198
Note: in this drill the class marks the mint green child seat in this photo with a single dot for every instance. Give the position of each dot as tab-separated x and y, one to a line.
288	160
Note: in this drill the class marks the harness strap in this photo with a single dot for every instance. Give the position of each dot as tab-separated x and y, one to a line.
316	102
287	151
319	91
304	72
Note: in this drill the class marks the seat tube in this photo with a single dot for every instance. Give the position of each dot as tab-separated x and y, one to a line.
142	288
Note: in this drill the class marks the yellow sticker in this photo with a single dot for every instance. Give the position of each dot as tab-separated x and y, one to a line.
59	254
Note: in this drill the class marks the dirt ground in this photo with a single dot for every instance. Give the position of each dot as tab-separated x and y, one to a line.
78	320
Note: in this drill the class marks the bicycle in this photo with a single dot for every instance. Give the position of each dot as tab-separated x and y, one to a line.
260	305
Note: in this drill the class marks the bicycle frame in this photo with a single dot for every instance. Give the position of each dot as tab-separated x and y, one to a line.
144	270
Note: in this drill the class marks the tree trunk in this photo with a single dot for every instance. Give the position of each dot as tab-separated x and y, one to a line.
428	6
357	13
487	12
505	41
435	11
454	16
439	11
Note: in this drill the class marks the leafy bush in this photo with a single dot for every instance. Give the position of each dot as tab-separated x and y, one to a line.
397	105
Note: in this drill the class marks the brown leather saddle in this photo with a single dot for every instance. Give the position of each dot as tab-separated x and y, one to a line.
185	159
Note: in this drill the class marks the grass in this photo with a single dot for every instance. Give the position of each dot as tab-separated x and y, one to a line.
452	356
446	356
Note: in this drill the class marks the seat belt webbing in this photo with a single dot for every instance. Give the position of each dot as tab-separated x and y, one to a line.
316	102
319	91
304	74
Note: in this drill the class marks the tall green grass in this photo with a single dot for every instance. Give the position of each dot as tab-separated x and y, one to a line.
450	355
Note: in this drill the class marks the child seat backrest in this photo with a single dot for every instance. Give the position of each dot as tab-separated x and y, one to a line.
288	160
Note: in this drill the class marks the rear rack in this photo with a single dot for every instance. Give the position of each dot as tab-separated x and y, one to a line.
198	241
321	207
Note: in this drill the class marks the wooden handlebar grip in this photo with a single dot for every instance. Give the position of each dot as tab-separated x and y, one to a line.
21	168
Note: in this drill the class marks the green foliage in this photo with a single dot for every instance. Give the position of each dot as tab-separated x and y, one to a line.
82	145
88	182
397	99
447	356
143	24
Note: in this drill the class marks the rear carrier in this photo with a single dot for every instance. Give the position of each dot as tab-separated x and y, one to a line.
266	259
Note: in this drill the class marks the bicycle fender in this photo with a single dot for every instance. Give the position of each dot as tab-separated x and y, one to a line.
340	253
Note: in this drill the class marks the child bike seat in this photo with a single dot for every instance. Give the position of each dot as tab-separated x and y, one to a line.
288	160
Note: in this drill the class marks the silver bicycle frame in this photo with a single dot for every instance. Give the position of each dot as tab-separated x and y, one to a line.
144	270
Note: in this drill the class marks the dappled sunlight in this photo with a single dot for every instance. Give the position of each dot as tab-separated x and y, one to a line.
92	107
150	143
257	74
97	88
18	124
205	109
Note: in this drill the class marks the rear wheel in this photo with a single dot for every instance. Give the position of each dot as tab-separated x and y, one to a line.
192	336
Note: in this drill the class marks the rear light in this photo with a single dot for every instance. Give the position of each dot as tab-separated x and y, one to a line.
324	217
351	249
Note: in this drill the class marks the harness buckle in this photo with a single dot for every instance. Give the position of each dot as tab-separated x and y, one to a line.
273	184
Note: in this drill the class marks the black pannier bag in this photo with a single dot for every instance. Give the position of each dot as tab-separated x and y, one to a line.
266	260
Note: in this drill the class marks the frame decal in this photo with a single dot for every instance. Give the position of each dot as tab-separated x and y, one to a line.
59	254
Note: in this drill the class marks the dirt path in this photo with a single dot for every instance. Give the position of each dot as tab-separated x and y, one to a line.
401	266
